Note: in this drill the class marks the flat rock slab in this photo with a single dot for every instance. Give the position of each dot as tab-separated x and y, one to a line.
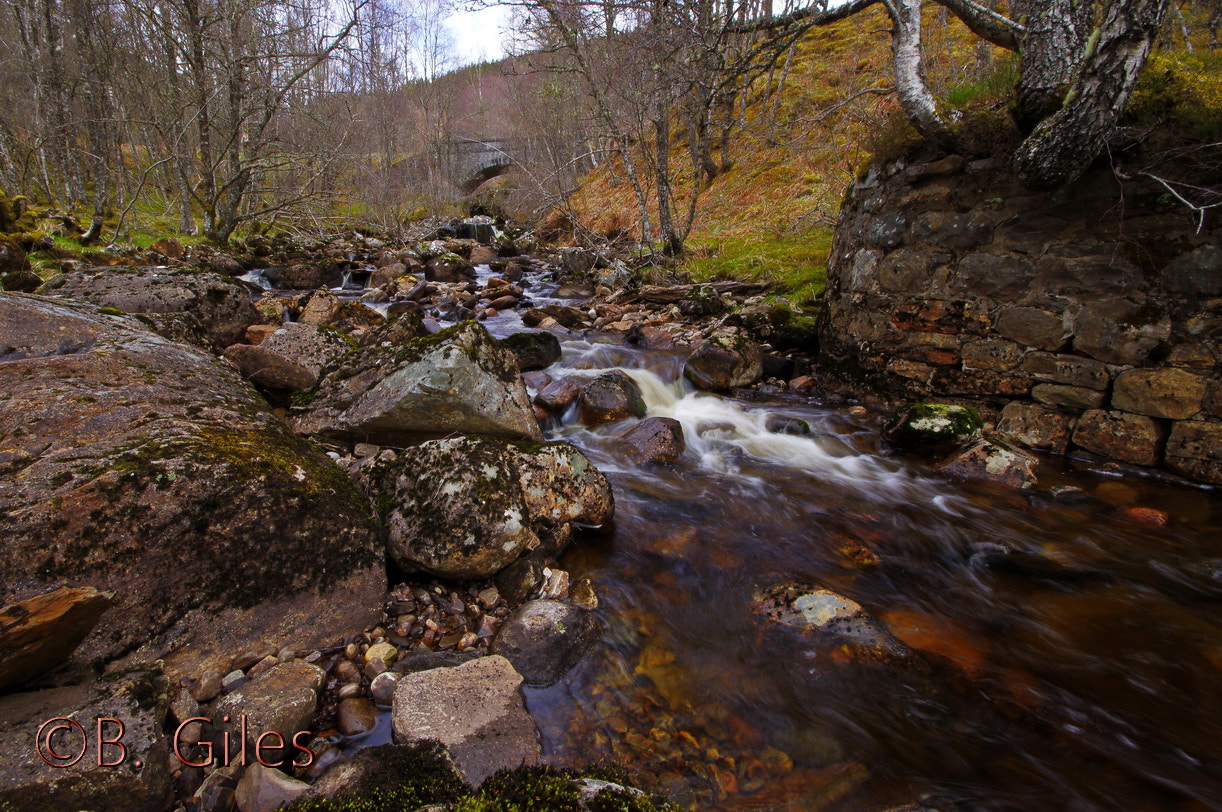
140	784
476	710
40	632
281	701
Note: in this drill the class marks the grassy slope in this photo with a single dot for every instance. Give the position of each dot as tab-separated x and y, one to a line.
770	216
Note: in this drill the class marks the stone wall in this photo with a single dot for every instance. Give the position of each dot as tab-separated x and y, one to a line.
1088	317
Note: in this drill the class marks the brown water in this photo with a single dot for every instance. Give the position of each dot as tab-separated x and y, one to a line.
1059	655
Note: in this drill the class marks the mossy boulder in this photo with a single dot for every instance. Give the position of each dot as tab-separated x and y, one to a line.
724	362
150	469
221	305
395	390
12	257
306	275
468	507
387	778
534	349
449	268
994	460
610	397
932	428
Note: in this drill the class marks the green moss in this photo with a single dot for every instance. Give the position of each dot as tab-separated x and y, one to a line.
110	311
396	778
932	427
792	264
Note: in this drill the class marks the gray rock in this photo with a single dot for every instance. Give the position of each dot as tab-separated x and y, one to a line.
468	507
533	349
1035	426
28	784
391	393
475	709
820	613
449	268
313	347
1117	331
264	789
1197	272
118	440
220	304
545	638
1033	327
306	276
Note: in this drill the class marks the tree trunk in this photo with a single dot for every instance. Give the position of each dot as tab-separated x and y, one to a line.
1052	52
1063	146
910	87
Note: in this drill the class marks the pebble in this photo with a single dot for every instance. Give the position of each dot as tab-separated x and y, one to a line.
262	666
382	688
347	671
355	715
233	681
385	652
208	687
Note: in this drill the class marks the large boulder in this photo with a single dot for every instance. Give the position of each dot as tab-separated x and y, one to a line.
724	362
449	268
654	439
476	710
395	389
220	304
545	638
467	507
269	369
140	784
282	700
151	470
305	276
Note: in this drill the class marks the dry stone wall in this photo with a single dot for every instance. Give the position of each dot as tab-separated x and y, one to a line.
1088	317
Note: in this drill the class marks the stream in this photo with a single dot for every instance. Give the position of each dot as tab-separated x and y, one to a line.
1047	649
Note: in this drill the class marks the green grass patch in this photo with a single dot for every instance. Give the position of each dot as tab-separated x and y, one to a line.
794	264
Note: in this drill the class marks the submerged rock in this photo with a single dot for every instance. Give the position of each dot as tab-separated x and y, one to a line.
394	391
141	784
221	305
151	470
814	611
468	507
475	709
545	638
932	428
724	362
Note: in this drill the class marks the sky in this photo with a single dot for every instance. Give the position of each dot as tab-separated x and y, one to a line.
477	34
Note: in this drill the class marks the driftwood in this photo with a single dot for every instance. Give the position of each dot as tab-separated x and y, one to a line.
670	294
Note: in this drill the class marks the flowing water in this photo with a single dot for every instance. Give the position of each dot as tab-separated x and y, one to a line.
1046	652
1041	650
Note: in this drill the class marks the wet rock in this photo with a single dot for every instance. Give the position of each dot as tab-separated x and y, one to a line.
449	268
724	362
468	507
1035	426
142	784
994	460
221	305
355	715
609	397
1170	393
654	439
119	440
784	424
306	276
557	395
458	380
269	369
39	633
382	688
265	789
568	317
521	580
1121	436
308	345
544	638
534	350
932	428
282	701
475	710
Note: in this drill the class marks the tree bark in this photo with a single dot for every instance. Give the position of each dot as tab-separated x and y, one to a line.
1053	48
1063	145
910	87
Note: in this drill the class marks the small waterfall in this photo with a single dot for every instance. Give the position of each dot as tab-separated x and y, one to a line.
257	278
